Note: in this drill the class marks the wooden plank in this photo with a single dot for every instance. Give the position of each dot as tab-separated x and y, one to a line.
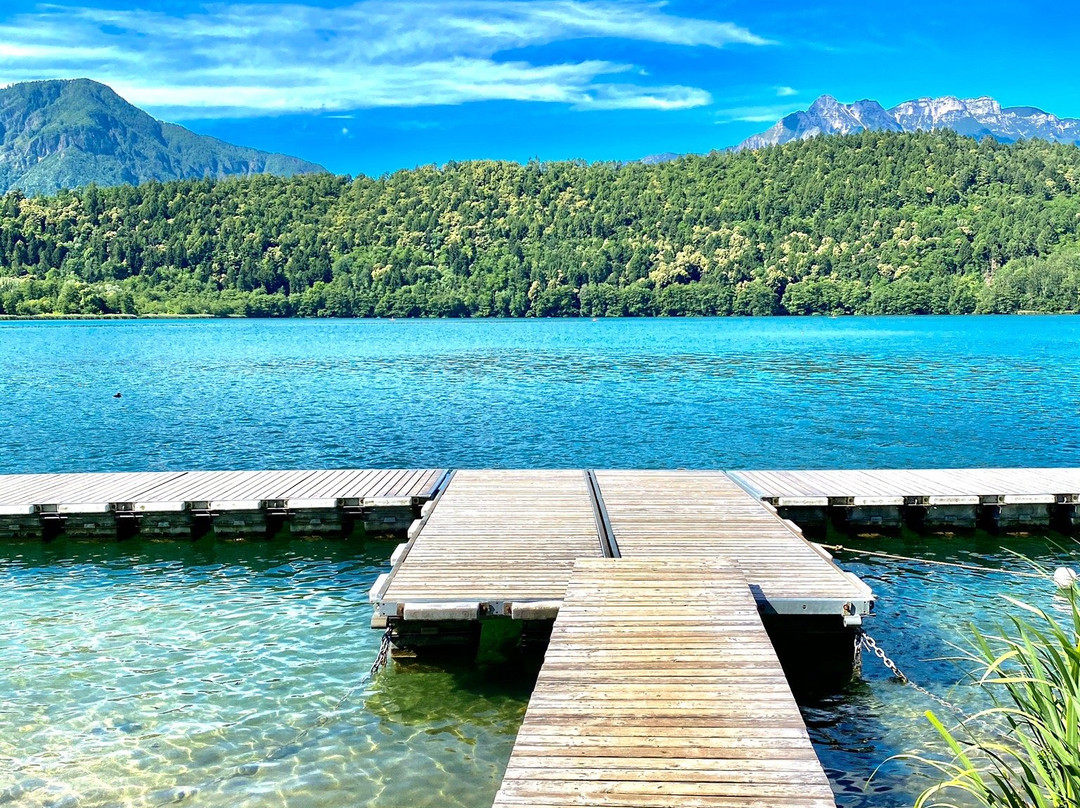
705	514
720	734
841	483
210	486
499	537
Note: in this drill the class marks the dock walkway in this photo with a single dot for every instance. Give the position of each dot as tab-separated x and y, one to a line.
924	498
236	503
925	486
660	688
541	521
705	515
493	542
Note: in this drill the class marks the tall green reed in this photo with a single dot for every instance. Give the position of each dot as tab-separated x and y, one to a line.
1024	752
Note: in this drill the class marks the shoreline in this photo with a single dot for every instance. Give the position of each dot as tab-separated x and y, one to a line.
844	315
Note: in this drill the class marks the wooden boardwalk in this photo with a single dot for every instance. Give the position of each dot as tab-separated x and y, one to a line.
171	491
494	541
540	522
914	486
705	515
660	689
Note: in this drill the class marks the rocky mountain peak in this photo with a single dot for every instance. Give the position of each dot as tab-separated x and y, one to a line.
975	117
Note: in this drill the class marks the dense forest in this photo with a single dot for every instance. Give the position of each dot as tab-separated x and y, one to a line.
867	223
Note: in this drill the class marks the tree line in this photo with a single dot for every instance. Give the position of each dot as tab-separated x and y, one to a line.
869	223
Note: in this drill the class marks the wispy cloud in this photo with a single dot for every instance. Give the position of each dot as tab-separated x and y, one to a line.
258	59
769	113
785	91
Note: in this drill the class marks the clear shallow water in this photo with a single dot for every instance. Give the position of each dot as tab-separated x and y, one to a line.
137	673
220	674
705	393
923	619
223	674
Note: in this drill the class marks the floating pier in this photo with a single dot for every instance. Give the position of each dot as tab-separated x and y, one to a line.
942	500
675	609
660	688
235	504
501	545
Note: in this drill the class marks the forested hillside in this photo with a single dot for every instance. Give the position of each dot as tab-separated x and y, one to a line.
864	223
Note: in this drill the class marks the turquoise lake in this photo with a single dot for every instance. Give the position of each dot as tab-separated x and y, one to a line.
706	393
218	674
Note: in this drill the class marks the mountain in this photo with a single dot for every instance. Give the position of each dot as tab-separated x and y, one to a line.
654	159
975	117
62	134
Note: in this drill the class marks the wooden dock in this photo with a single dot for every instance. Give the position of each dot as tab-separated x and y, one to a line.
234	503
705	515
660	688
932	498
494	543
542	521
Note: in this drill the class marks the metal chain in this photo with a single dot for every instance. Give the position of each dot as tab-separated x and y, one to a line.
864	640
384	652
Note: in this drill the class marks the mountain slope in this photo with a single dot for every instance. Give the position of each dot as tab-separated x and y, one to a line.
62	134
974	117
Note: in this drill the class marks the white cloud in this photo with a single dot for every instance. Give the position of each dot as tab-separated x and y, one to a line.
785	92
756	114
252	60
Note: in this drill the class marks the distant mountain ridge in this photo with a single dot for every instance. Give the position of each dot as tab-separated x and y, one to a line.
974	117
68	133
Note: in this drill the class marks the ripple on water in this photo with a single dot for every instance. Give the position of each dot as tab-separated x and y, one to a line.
179	681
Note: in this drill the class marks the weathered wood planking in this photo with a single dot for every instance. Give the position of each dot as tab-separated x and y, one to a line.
705	515
660	689
368	486
358	485
29	492
779	486
498	537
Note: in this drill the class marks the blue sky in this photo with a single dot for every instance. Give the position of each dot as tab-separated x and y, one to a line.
373	86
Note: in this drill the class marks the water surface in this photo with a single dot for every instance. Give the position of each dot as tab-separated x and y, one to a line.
222	674
697	393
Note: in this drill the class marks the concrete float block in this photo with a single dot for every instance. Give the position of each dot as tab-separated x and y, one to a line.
388	521
441	611
166	525
239	522
873	516
1014	514
100	526
536	610
951	516
377	589
399	554
319	522
21	527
